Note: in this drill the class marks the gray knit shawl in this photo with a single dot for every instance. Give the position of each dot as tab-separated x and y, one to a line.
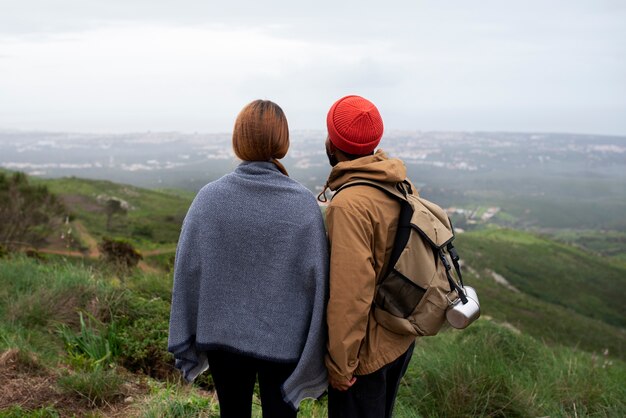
251	277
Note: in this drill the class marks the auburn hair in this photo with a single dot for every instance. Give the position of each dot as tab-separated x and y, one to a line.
261	133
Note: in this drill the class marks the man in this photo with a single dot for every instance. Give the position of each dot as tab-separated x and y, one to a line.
365	361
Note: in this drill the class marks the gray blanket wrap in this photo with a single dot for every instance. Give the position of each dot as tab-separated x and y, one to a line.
251	277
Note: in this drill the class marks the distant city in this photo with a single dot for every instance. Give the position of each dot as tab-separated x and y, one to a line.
188	161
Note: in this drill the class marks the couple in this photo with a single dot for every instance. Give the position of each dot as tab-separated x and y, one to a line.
255	292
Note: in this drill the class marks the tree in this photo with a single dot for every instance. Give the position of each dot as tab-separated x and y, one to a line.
28	213
113	207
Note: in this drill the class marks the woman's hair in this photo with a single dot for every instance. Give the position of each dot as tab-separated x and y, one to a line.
261	133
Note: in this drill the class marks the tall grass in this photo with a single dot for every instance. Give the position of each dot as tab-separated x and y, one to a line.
486	370
97	386
127	324
491	370
35	295
91	346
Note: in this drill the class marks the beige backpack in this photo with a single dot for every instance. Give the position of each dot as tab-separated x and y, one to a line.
413	295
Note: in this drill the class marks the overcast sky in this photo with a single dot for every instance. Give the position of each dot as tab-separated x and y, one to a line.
191	65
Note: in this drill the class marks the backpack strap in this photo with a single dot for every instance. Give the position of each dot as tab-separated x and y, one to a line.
397	190
403	233
454	255
400	192
453	284
404	221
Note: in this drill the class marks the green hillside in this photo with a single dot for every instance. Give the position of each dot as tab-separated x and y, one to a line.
550	271
563	289
551	339
547	322
153	218
611	244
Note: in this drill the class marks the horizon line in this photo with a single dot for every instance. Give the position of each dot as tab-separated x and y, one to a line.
389	131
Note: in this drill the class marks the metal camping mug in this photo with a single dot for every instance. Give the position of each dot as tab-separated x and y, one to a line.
460	315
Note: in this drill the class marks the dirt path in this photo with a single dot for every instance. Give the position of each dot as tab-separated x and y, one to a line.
158	252
87	239
60	252
93	252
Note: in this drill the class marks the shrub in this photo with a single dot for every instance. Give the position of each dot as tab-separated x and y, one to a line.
29	212
143	347
35	255
142	330
121	254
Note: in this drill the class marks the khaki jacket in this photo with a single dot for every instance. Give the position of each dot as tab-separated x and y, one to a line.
362	223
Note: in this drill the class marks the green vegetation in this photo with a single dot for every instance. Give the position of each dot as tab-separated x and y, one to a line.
106	343
547	322
606	243
152	218
170	400
97	386
29	213
19	412
490	370
121	254
551	340
560	274
563	198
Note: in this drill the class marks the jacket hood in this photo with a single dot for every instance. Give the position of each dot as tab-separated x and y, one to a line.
377	167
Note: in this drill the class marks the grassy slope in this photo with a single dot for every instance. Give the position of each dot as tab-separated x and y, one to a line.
564	288
154	219
551	323
608	243
568	295
553	272
485	370
558	307
489	370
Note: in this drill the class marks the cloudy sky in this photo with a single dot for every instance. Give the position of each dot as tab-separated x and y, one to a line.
191	65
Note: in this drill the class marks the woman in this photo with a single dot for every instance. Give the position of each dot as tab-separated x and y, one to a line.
250	279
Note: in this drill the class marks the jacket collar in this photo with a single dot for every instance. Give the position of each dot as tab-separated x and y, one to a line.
378	167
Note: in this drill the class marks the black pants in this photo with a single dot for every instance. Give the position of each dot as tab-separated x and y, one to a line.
234	376
372	395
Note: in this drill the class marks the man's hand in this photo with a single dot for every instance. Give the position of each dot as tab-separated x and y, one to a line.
341	383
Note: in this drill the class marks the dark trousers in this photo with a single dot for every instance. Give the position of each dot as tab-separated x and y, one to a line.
372	395
234	376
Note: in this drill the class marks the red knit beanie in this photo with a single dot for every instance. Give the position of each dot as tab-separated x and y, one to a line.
354	125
